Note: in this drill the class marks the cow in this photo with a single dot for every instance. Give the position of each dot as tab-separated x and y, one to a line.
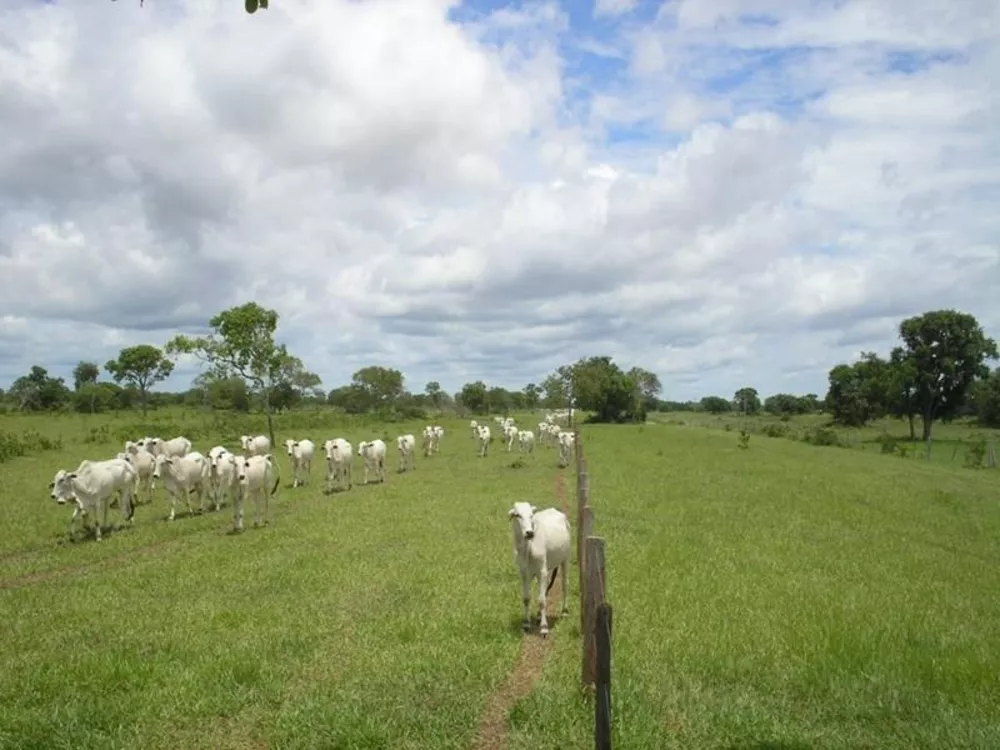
339	458
541	549
484	440
374	455
301	452
90	487
183	475
406	445
257	476
259	445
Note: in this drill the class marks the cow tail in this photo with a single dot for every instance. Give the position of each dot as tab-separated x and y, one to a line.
277	481
552	579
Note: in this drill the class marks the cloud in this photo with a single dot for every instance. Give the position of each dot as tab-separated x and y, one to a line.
742	192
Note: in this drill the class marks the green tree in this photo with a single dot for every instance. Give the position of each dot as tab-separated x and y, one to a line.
498	400
986	398
600	386
716	404
241	344
949	352
473	397
858	392
351	398
141	367
382	386
85	372
532	396
746	400
36	391
294	383
433	391
901	387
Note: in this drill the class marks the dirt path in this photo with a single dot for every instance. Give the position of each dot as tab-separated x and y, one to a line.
528	669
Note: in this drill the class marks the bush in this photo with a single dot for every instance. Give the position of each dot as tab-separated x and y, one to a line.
975	454
775	430
28	442
823	436
887	442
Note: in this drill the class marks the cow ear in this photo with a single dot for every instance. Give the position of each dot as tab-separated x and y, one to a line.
534	509
72	476
52	485
513	512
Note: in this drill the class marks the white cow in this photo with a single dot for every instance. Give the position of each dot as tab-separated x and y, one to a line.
508	422
144	462
214	455
257	476
339	455
438	434
302	452
498	420
541	549
224	479
90	487
256	446
526	441
407	445
173	448
484	440
427	440
374	455
183	475
510	435
475	428
565	440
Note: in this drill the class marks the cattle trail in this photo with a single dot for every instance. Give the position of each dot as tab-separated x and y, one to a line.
492	734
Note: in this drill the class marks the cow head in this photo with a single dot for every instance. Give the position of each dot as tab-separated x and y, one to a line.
523	516
62	486
290	445
161	461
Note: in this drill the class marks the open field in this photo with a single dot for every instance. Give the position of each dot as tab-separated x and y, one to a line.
784	597
950	444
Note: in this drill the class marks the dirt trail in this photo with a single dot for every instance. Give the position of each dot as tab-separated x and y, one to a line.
530	664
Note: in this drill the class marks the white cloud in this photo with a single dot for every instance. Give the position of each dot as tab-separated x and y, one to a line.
729	193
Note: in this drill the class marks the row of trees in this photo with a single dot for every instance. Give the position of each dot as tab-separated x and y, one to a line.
938	373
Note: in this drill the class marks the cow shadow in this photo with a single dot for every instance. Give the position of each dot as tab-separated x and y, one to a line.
514	624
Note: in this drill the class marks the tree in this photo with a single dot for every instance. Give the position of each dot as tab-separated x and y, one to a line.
746	400
600	386
532	396
716	404
901	387
949	351
498	400
473	397
294	382
36	391
647	382
241	344
986	397
351	398
382	386
433	391
858	392
141	367
85	372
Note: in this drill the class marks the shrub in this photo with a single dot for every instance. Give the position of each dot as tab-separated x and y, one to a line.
975	454
28	442
823	436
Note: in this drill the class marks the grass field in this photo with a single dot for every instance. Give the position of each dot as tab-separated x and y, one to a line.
785	597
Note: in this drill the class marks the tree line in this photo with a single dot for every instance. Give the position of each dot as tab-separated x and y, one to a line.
938	373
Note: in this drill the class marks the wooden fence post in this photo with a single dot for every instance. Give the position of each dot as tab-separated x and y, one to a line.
584	530
595	590
991	456
602	706
582	501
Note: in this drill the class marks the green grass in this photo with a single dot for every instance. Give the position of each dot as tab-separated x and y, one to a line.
783	597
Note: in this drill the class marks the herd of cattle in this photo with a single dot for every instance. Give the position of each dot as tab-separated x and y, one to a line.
541	538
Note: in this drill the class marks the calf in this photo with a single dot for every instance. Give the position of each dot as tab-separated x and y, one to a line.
256	446
541	549
484	440
406	444
565	448
526	441
183	475
255	475
301	452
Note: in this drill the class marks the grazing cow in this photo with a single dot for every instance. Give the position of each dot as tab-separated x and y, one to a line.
484	440
541	549
256	446
475	428
257	476
374	455
183	475
526	441
339	455
510	435
406	444
565	448
90	487
302	452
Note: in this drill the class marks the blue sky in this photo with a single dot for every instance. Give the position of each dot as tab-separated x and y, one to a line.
742	192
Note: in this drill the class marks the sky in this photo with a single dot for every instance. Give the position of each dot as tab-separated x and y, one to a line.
728	193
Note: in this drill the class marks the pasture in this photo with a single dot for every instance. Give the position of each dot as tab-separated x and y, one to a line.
786	597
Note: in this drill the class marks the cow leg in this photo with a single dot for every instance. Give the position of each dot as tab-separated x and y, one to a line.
526	601
173	504
238	511
543	581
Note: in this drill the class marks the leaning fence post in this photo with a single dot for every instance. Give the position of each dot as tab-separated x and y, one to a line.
602	706
594	588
